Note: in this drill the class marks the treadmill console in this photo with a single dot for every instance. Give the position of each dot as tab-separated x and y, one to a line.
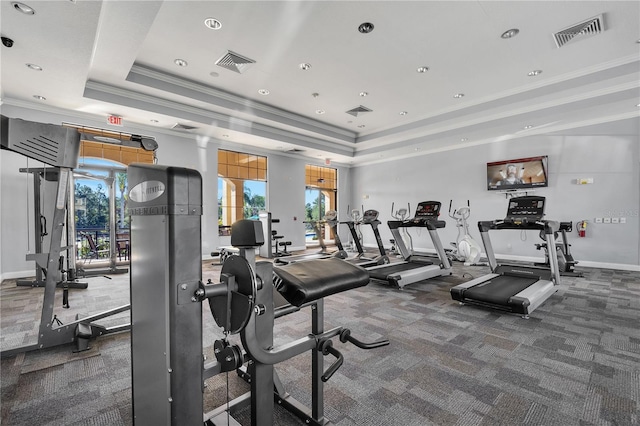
370	216
525	209
426	211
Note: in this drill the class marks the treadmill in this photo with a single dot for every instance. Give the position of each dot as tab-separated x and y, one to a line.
330	218
370	217
415	267
512	288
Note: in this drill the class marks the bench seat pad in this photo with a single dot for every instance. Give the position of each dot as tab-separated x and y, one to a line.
306	281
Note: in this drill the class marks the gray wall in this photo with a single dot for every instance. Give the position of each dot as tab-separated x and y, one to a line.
612	162
285	187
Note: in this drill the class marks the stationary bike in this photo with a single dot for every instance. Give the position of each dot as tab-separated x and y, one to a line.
466	250
566	262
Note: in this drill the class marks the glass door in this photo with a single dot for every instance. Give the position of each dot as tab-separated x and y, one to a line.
317	233
101	224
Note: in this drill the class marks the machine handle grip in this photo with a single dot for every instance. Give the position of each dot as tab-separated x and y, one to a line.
327	348
43	226
345	336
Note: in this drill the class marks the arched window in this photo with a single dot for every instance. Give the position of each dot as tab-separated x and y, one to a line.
242	187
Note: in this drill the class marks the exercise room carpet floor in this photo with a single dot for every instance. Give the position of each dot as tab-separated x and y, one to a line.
575	361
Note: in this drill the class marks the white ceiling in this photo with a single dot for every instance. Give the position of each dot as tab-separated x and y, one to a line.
117	57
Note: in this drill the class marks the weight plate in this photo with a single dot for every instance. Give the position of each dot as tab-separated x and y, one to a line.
233	316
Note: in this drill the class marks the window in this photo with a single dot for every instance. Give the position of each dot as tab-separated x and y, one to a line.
320	197
242	187
102	171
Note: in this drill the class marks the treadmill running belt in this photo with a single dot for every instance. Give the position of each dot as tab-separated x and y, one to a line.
499	289
383	273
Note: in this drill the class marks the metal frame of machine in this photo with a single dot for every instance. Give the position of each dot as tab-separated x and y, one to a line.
514	288
168	368
415	267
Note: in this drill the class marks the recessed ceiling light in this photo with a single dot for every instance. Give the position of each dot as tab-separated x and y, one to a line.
534	73
214	74
528	126
403	113
363	94
40	98
510	33
315	95
212	23
180	62
21	7
154	121
319	111
34	67
361	126
225	136
416	149
422	70
304	66
463	140
365	27
263	92
458	95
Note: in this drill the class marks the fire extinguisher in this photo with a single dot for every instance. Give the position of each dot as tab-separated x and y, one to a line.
582	228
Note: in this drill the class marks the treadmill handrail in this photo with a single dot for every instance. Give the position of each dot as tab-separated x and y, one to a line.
431	224
549	226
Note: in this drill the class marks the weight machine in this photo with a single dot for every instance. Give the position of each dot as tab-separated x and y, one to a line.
271	238
58	147
67	278
168	369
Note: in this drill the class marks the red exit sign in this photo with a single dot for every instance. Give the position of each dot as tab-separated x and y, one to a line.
115	120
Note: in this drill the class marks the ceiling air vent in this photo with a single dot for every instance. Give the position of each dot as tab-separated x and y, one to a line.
578	31
179	126
235	62
358	110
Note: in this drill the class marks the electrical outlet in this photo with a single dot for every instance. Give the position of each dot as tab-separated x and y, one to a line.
584	181
598	220
623	220
607	220
615	220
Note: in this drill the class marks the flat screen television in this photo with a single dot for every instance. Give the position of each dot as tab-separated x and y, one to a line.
520	173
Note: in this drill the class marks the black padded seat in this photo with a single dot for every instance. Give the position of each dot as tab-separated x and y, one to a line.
303	282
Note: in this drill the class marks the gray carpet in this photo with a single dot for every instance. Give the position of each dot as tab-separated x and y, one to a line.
576	361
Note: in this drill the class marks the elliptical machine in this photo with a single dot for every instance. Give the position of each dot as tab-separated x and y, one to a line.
467	250
354	223
401	215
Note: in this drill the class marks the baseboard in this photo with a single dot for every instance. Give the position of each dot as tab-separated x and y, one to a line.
602	265
532	259
16	274
581	263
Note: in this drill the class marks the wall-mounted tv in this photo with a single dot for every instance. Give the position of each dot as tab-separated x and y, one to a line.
520	173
